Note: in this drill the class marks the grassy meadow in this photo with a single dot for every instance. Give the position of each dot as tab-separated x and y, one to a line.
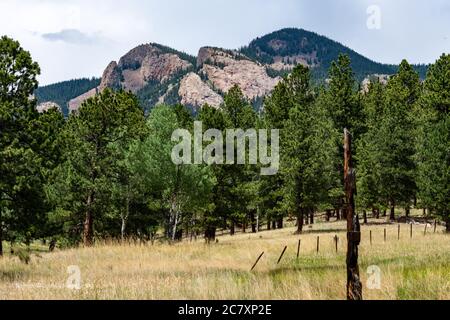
417	268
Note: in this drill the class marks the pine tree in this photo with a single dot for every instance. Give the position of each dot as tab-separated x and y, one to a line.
434	144
20	175
92	158
344	108
397	143
308	155
369	181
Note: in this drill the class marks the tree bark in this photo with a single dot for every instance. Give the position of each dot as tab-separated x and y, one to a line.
210	234
280	223
88	230
328	215
408	212
274	225
447	225
365	216
311	217
125	219
392	216
269	224
338	214
354	285
253	221
300	220
233	228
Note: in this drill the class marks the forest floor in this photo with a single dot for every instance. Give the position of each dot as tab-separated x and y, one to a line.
417	268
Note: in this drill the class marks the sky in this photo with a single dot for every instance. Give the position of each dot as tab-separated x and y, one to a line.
78	38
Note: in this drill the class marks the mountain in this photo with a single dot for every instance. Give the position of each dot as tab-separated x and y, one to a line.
283	49
159	74
61	93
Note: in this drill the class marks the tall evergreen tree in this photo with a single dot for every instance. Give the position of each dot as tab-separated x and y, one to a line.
20	176
397	144
92	157
434	143
344	107
369	154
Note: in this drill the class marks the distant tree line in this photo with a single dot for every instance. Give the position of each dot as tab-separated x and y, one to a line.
106	171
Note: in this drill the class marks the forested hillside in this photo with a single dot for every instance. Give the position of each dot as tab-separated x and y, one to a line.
292	45
62	92
107	171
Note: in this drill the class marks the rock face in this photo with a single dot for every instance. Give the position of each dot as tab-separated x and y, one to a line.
141	66
228	68
194	92
46	106
76	103
382	78
149	63
111	77
162	75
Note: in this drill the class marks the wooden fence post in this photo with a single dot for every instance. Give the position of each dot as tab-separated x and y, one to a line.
318	244
370	237
411	231
259	258
354	285
282	254
385	235
336	240
398	232
298	248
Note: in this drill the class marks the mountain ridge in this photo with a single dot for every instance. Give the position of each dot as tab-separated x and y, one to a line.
160	74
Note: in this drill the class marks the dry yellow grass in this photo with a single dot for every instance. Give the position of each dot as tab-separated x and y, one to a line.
411	269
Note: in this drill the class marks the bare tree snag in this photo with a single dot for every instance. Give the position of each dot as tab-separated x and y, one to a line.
354	286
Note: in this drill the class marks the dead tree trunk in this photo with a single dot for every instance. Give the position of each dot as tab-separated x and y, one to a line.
354	286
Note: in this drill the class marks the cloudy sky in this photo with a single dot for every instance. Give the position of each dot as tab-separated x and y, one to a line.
78	38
